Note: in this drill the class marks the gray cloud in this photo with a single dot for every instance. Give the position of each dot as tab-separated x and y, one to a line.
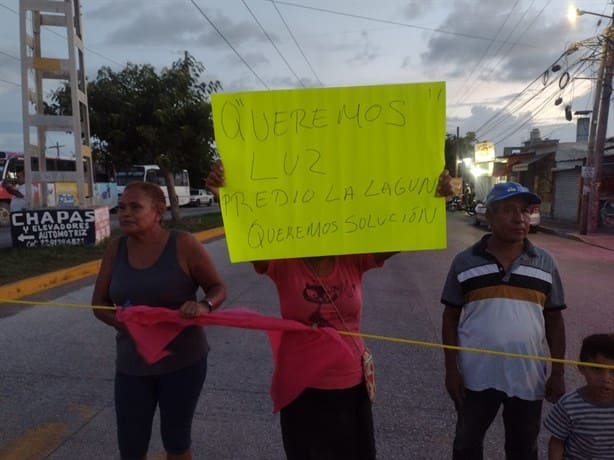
10	68
256	58
367	54
415	9
515	130
11	133
181	24
525	46
111	10
10	127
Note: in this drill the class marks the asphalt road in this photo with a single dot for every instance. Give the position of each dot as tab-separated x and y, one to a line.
56	389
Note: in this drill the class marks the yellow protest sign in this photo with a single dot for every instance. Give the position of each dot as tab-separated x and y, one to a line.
331	170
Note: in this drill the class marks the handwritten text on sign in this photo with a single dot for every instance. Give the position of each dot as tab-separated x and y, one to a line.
332	170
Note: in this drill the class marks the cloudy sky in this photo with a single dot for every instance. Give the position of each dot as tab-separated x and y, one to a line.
496	57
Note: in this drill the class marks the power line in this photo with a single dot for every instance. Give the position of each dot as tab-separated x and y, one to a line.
10	82
513	45
508	110
534	112
51	31
10	55
297	44
579	67
466	84
300	81
384	21
219	32
9	8
488	71
102	56
505	111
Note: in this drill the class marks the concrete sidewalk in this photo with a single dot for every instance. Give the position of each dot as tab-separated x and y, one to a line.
604	238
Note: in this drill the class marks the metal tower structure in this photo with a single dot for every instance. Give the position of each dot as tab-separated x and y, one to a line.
39	73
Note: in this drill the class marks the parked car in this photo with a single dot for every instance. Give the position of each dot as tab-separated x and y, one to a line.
480	216
607	213
199	196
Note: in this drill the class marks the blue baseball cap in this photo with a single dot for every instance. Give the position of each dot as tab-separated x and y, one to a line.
505	190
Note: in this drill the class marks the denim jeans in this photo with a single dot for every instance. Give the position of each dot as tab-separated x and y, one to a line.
521	419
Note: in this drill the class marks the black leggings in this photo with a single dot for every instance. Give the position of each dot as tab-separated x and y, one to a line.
176	394
329	425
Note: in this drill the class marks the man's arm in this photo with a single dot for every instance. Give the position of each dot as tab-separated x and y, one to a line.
555	335
449	336
556	449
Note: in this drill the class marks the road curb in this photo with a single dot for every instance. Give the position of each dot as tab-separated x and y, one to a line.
552	231
29	286
572	236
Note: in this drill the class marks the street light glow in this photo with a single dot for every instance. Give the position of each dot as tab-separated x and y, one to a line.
572	14
476	171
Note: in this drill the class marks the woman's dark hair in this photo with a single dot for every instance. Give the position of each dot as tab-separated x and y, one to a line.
153	191
597	344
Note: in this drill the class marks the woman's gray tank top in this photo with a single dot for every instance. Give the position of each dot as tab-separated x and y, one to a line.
165	285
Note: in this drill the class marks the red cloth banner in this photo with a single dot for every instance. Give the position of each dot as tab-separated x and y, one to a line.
301	354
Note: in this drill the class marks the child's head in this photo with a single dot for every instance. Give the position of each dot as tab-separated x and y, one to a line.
597	344
598	349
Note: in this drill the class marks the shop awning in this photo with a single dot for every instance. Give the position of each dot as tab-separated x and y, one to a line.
524	165
501	169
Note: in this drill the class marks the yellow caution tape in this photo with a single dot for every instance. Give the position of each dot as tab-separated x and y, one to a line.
363	335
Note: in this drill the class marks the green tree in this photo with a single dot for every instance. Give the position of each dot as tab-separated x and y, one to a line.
140	116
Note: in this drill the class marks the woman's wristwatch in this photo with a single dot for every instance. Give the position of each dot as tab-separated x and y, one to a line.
208	303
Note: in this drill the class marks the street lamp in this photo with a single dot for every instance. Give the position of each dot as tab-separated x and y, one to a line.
580	12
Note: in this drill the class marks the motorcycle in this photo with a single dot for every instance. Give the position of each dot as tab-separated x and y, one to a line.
470	208
454	204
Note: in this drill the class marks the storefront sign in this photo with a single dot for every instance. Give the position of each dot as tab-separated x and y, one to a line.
60	227
588	172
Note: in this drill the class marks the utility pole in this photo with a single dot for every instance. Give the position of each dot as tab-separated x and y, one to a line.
587	178
606	93
589	211
57	147
457	149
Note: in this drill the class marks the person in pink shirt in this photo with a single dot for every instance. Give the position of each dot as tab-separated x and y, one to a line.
333	419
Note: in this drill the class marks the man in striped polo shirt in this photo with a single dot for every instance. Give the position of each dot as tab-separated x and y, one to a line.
503	294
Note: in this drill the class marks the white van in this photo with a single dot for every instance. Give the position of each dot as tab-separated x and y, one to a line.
199	196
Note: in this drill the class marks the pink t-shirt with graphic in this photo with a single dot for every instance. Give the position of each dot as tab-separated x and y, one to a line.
305	298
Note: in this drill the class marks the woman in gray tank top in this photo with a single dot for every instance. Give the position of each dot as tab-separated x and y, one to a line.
159	268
